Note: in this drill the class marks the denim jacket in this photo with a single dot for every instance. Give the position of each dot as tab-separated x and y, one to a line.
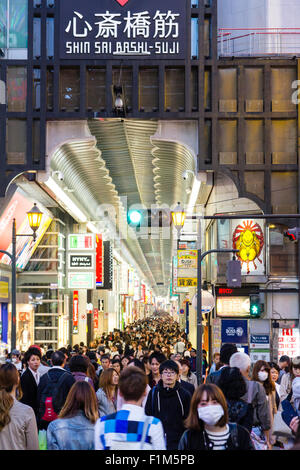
75	433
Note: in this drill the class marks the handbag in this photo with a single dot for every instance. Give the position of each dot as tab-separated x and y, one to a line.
258	439
280	428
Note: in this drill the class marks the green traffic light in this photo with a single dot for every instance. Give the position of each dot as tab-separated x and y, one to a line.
135	217
254	309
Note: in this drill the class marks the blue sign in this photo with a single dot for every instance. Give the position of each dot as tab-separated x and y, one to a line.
235	331
110	29
260	339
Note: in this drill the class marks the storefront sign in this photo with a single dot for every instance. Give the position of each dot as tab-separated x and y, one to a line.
81	241
259	341
248	238
96	319
258	355
81	261
99	261
110	29
81	280
235	331
288	342
3	289
187	258
143	293
186	282
75	312
233	306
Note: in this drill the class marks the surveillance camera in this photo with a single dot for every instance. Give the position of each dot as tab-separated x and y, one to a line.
185	175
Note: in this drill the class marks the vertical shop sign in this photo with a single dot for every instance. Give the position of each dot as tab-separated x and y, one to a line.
99	261
96	318
288	342
75	312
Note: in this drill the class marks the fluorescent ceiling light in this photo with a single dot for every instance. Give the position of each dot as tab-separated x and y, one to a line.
66	200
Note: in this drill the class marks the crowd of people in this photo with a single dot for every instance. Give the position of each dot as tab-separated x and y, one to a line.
137	389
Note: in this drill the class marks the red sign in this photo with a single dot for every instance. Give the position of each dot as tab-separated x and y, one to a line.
96	317
16	209
225	291
75	308
122	2
99	261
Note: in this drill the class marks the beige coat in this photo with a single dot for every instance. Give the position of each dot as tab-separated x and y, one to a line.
21	433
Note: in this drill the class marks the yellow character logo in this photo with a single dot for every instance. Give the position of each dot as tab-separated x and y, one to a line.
248	238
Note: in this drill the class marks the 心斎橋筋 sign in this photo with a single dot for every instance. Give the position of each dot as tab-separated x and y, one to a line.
108	29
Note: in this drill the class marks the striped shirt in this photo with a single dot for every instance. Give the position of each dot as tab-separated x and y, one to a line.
218	439
124	430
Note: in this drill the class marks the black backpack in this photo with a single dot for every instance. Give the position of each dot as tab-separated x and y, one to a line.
49	404
240	412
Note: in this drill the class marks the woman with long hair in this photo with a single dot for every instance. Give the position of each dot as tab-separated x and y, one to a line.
187	375
207	424
18	428
287	379
262	373
74	428
107	392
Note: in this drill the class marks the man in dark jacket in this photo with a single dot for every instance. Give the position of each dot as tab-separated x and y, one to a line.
226	351
57	382
169	402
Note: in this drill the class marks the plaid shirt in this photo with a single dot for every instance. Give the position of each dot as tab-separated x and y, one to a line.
127	426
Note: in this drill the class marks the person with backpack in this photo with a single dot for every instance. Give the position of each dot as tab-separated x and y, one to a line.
74	428
79	367
255	395
234	388
53	389
169	402
208	427
129	428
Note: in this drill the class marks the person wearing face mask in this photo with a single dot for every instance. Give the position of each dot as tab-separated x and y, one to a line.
207	424
262	373
16	359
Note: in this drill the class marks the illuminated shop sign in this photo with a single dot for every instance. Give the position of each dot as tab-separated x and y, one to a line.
116	28
248	238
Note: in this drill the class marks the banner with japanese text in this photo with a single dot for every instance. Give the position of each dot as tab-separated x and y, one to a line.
109	29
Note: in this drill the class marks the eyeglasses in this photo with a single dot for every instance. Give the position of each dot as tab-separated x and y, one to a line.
169	372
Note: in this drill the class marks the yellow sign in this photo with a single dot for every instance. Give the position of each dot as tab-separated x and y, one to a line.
3	290
187	282
187	258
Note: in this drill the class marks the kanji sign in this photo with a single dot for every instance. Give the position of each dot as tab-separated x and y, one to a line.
112	29
288	342
186	282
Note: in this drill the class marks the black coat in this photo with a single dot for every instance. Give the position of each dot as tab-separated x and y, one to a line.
29	389
171	406
65	379
187	386
198	440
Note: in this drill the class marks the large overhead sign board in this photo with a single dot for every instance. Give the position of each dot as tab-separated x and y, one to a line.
114	29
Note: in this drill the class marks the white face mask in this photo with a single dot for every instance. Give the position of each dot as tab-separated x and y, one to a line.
263	375
210	414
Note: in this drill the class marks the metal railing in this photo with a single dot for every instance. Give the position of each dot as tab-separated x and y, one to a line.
258	41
